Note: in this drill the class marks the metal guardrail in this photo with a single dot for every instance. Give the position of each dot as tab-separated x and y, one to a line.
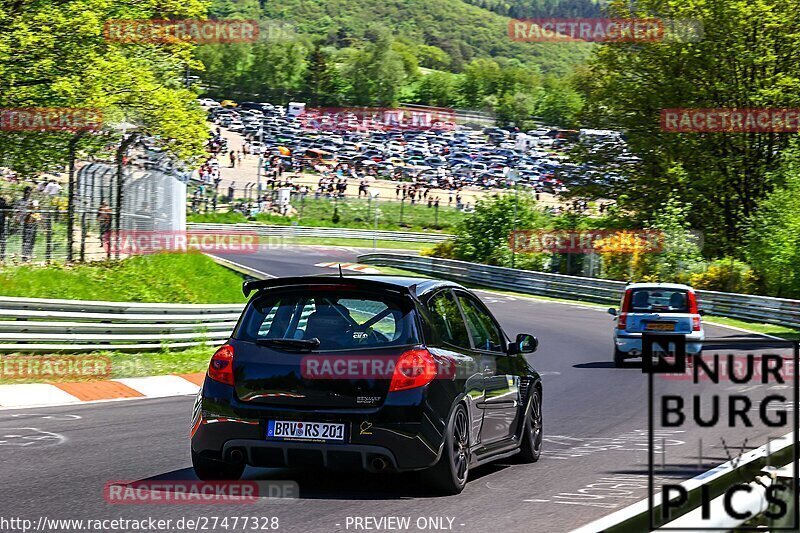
290	232
51	325
37	325
750	465
763	309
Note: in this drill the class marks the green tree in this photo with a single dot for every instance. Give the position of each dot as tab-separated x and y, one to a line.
773	238
375	72
748	57
516	108
484	235
437	89
559	103
480	80
321	78
55	55
678	247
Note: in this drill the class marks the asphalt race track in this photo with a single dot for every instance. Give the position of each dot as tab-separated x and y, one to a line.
56	461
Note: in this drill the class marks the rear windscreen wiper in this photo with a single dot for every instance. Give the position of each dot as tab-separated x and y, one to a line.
290	344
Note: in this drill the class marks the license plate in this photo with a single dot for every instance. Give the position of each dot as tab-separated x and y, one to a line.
297	430
660	326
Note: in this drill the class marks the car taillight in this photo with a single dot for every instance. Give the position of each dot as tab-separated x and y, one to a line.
626	301
414	368
622	320
692	301
221	366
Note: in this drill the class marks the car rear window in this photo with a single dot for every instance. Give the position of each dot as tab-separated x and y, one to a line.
339	319
661	300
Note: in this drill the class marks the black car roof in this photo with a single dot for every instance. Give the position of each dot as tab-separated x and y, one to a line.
415	286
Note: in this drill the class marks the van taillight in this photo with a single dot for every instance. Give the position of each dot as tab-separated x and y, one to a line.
622	321
695	323
221	366
414	368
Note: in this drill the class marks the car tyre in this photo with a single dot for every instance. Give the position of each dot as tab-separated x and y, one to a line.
449	475
619	358
531	446
212	470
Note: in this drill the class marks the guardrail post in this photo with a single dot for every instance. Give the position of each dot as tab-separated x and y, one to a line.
785	477
71	192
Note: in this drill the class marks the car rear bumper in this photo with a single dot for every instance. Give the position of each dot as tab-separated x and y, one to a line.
313	455
406	436
631	343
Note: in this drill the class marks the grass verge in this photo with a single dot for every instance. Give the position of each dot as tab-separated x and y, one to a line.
354	214
358	243
163	277
126	365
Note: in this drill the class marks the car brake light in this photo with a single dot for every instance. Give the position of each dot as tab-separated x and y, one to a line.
622	320
221	366
692	299
414	368
626	302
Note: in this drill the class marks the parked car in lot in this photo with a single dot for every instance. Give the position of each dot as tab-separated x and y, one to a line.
656	307
374	373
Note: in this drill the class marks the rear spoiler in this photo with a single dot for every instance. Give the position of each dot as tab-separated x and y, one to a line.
295	281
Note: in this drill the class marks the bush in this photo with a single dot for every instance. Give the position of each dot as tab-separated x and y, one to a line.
485	233
522	261
442	250
727	275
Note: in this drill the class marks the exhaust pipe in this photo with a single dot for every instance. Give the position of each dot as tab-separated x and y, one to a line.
236	456
379	464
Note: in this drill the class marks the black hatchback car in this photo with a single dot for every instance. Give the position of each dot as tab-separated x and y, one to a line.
376	373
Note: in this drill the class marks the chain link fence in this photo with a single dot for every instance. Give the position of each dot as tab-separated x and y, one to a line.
148	196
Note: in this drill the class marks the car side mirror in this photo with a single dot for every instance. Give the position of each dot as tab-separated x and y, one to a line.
612	311
701	312
525	343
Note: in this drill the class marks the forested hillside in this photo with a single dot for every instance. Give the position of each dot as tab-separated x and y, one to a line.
462	30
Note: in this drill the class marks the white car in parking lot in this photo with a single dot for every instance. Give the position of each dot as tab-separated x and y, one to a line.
656	307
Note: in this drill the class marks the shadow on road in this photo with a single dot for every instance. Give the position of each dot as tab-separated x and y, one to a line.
337	485
636	363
